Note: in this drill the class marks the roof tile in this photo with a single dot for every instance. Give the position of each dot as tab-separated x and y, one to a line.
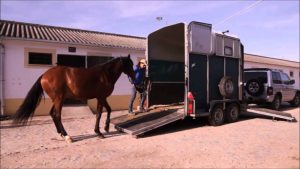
13	29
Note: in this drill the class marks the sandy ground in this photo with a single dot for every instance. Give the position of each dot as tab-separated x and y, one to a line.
250	143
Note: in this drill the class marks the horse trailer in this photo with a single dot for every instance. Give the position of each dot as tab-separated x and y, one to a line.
192	64
192	71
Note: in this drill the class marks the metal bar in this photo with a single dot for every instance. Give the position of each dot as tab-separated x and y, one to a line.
166	82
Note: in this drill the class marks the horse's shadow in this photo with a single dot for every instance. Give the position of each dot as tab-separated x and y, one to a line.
90	136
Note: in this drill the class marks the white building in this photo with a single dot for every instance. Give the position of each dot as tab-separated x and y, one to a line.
28	50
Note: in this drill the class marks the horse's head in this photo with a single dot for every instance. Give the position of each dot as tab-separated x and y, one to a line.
128	67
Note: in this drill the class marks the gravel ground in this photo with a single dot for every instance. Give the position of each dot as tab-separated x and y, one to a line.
252	142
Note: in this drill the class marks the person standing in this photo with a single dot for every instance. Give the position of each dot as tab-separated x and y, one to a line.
138	86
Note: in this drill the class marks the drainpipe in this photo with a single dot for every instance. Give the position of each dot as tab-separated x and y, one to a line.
2	54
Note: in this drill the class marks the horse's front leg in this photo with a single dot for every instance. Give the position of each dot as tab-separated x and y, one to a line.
98	117
108	109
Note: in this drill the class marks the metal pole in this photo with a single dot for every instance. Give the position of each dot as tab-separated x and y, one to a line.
2	54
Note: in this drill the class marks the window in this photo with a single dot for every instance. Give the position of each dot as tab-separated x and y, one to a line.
291	74
261	76
228	51
276	78
71	60
72	49
285	78
40	58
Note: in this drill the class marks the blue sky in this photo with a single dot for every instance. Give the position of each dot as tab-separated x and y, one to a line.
270	28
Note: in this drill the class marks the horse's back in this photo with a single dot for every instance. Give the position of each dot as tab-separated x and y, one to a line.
75	83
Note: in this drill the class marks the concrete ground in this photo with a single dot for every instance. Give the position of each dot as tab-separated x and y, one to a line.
252	142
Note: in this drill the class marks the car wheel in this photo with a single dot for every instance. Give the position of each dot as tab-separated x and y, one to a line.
276	103
296	101
254	87
216	117
232	113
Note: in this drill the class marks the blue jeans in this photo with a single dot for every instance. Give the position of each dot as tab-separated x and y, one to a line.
133	95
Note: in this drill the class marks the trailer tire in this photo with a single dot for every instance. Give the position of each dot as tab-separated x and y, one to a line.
232	113
217	116
226	87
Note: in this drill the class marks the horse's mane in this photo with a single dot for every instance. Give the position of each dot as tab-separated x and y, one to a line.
107	63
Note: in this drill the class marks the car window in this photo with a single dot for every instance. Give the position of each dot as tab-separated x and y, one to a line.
261	76
285	78
276	78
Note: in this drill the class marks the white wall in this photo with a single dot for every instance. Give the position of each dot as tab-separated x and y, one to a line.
283	68
20	78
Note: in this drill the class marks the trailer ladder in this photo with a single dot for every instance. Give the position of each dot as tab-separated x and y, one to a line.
272	113
144	122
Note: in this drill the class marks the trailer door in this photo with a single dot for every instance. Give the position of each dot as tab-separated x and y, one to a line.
199	49
165	55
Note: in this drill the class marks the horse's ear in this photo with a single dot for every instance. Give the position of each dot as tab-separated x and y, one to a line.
128	56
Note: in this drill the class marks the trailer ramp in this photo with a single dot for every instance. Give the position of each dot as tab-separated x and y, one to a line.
144	122
271	113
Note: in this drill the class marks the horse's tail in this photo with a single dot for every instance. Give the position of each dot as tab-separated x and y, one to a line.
32	100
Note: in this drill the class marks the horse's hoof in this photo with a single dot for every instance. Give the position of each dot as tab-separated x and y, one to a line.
62	136
68	139
101	136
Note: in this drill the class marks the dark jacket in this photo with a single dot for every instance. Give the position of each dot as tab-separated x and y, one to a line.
139	75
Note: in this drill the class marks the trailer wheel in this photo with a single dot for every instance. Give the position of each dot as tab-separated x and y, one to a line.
226	87
232	112
216	117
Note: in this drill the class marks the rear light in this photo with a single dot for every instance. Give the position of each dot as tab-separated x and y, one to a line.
270	91
191	103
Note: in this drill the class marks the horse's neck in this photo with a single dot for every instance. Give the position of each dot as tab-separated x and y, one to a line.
111	69
115	72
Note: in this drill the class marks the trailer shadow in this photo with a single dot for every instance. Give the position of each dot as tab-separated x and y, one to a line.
190	123
177	126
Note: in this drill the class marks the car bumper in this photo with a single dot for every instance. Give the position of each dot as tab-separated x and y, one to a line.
266	99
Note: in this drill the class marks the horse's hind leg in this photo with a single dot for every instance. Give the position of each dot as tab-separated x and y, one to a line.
52	113
58	107
98	117
108	109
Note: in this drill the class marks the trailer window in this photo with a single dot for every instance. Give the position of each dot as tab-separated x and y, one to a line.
228	51
261	76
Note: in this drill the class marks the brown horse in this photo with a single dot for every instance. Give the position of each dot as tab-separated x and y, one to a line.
62	82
